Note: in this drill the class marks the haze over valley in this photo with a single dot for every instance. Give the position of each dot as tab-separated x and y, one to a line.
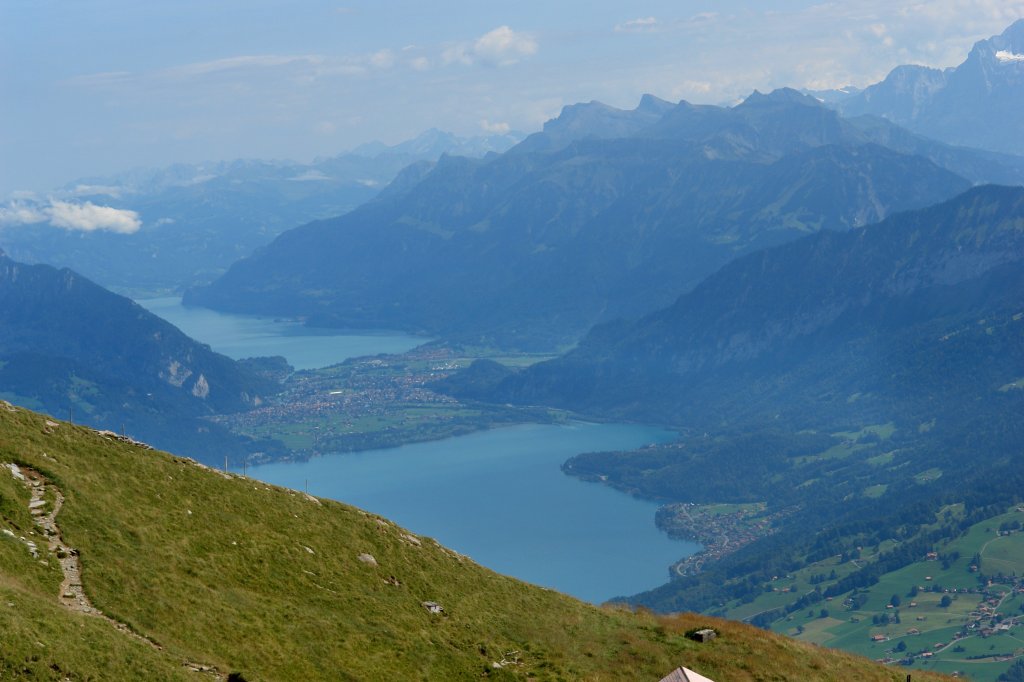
705	325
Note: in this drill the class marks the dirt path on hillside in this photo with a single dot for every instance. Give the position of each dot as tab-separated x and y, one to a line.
72	594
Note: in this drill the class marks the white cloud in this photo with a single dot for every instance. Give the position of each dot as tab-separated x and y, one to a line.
94	190
498	128
1006	56
325	128
500	47
638	25
17	213
240	62
689	88
303	68
504	46
87	217
457	54
382	59
310	176
419	63
699	21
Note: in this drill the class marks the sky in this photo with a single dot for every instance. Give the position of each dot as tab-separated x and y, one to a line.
93	87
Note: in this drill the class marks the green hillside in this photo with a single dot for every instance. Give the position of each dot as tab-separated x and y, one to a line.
222	571
957	608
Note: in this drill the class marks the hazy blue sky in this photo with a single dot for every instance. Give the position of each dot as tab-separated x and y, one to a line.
97	86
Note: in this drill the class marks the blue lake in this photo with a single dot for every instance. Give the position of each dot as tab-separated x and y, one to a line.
245	336
498	496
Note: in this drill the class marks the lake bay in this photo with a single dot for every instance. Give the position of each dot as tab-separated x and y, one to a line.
498	496
246	336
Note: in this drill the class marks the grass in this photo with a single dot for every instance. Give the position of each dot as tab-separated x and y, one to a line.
875	491
227	571
1004	554
928	475
881	460
851	630
1013	385
721	509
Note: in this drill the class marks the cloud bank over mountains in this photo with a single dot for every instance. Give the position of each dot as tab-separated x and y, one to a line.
67	215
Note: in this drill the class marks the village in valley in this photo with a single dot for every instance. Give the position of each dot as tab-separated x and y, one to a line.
378	401
720	528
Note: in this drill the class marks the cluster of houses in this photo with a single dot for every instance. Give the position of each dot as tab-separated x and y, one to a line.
371	391
720	534
984	621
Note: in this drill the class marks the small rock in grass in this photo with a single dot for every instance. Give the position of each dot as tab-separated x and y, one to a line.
367	559
433	607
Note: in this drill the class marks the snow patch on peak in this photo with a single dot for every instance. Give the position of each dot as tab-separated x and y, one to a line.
1007	57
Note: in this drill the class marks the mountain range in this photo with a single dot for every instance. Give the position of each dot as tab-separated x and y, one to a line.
578	225
975	104
782	369
775	312
198	219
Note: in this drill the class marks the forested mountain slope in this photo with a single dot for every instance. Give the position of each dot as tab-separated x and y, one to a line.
573	228
72	348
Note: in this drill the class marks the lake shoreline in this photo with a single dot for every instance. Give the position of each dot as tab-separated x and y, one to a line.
493	491
484	480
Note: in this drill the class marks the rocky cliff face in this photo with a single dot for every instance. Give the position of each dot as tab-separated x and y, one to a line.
976	104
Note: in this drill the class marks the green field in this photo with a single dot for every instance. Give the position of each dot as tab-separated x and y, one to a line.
919	588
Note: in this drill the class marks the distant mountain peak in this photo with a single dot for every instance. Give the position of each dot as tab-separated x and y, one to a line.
595	120
655	105
1005	51
976	104
779	96
1014	31
571	112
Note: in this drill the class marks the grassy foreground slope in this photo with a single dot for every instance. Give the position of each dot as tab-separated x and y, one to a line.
268	582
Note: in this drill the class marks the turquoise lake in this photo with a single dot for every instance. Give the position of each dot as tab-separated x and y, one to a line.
500	497
497	496
245	336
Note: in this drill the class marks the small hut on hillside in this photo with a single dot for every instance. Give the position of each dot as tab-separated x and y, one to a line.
685	675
